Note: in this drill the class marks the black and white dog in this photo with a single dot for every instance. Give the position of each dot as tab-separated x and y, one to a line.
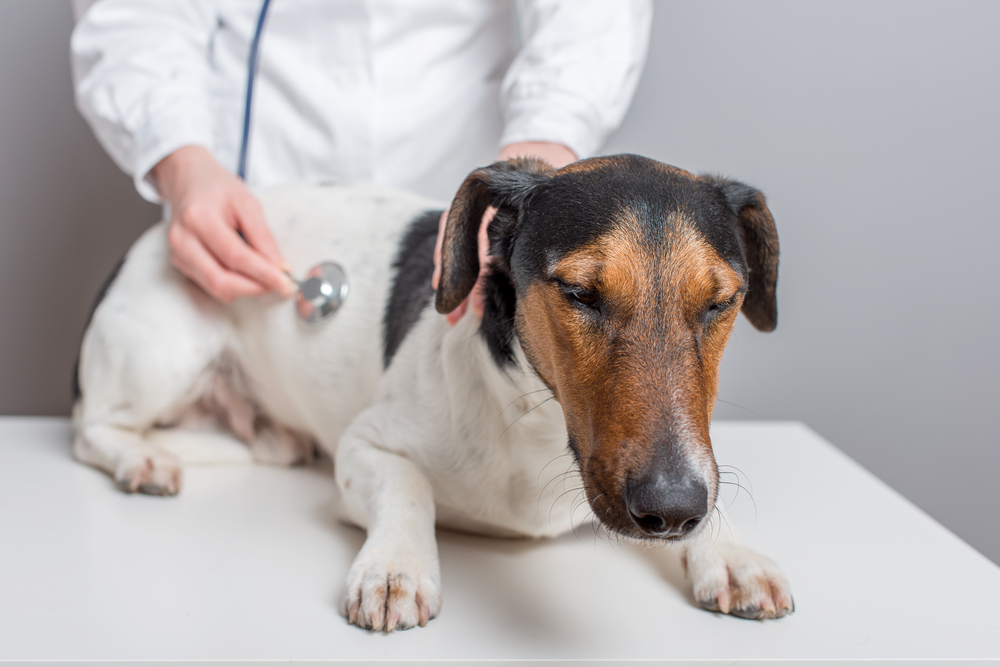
613	288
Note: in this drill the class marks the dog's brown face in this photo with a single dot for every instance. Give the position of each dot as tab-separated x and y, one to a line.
622	278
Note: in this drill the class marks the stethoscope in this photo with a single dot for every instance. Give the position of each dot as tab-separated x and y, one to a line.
325	286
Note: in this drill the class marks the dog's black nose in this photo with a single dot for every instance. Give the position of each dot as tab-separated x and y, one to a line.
667	503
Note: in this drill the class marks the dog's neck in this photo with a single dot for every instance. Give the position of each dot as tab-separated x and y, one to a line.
504	382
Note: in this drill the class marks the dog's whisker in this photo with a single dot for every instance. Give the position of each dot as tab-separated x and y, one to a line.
570	472
741	407
603	532
537	391
724	520
560	478
575	489
738	473
753	502
580	499
739	487
590	520
524	414
713	524
740	477
555	501
553	460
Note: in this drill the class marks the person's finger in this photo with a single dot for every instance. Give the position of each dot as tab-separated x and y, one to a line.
436	276
454	316
484	239
478	296
234	254
252	223
196	262
477	299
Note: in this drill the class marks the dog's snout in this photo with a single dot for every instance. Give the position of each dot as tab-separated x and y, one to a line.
667	503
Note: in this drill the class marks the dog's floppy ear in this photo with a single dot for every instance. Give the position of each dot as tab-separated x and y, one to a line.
505	185
760	247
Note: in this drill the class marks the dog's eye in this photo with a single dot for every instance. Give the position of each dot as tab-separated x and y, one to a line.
723	305
720	307
584	297
579	295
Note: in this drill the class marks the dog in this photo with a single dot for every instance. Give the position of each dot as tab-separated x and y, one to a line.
613	287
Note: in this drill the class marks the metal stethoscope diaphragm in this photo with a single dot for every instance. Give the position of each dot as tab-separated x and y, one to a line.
321	293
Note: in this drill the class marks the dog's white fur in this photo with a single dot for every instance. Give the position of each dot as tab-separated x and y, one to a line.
443	436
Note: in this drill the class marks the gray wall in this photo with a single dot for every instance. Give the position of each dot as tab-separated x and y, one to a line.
66	213
871	126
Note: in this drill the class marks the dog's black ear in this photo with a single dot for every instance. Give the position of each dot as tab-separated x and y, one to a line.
505	185
760	247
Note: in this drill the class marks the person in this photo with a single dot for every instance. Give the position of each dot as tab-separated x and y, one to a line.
407	94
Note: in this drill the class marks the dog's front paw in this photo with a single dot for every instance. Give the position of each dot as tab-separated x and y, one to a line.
734	579
149	470
387	593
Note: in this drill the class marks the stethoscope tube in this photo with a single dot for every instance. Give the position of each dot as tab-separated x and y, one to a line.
241	169
323	291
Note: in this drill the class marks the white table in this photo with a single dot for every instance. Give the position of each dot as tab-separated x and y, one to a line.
248	562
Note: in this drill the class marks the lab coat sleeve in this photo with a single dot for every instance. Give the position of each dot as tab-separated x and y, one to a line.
141	72
577	69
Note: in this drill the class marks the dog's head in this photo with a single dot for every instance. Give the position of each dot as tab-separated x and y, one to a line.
621	278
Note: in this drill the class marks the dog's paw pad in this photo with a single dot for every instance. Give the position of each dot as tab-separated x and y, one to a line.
150	471
387	596
736	580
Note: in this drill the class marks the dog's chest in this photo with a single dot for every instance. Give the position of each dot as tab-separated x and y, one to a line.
518	480
491	441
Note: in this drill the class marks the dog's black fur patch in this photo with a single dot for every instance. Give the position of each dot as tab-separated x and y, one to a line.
411	293
75	388
576	208
499	308
411	285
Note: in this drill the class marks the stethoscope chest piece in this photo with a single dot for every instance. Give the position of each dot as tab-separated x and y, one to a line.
322	292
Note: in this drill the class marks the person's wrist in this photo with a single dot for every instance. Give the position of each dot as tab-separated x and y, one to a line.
171	172
555	154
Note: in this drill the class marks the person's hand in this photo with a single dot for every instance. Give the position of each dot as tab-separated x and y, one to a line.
210	209
556	155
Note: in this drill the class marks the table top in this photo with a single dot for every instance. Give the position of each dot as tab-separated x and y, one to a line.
248	562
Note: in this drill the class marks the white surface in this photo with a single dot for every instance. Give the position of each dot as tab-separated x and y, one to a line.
248	563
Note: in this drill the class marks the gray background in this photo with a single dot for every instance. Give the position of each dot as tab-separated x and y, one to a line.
871	126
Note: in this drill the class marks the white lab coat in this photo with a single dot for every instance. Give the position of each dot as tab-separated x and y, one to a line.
409	93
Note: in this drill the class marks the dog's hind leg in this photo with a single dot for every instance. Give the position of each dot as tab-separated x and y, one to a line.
147	360
395	581
120	414
130	391
135	464
730	577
